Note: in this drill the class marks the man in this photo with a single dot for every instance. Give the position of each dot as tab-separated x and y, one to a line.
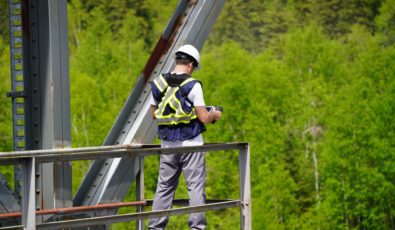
180	113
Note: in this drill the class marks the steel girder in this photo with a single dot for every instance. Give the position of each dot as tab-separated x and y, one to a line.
109	180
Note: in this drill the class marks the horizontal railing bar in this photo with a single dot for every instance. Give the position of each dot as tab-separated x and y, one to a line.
12	227
34	153
135	152
77	209
90	153
136	216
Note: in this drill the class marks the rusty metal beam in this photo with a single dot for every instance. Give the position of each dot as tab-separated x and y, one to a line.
77	209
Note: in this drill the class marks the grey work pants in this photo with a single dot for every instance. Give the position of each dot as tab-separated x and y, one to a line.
194	168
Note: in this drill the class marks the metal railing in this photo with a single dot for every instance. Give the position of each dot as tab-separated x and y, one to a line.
29	159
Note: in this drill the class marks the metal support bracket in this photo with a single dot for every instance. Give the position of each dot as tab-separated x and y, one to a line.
16	94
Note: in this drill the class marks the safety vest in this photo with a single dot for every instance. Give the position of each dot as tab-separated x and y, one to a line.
175	116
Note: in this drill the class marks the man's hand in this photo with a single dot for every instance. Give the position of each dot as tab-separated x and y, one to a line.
207	117
152	110
217	115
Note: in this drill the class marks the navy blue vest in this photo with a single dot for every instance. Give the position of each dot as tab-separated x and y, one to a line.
179	132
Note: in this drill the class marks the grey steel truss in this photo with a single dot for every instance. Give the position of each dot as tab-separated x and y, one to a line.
40	93
41	106
108	180
46	74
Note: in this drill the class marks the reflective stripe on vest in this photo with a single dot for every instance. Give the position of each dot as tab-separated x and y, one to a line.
161	83
170	99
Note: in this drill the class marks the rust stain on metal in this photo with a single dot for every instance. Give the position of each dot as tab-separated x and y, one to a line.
25	18
161	48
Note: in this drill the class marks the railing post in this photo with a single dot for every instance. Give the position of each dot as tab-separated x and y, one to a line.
140	191
245	187
28	193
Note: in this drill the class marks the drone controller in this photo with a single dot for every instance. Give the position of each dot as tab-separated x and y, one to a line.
211	108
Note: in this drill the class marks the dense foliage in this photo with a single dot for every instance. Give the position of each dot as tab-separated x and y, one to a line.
310	84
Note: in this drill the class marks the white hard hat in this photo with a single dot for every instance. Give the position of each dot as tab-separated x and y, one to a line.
191	51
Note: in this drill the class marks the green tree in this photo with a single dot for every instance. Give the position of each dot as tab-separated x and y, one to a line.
5	103
310	84
386	21
6	134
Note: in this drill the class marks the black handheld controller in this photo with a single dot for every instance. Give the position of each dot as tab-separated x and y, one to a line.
210	108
